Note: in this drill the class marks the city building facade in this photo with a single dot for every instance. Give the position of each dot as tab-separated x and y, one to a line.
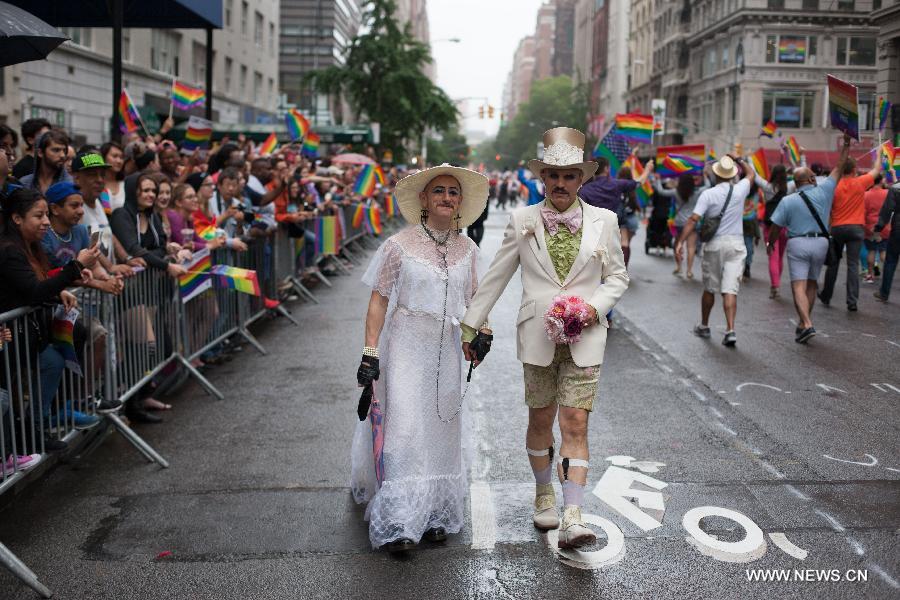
641	40
521	76
886	17
670	73
544	41
563	37
582	43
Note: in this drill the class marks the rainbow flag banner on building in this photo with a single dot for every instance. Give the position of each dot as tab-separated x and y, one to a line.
635	127
197	279
365	181
373	219
297	125
311	145
769	129
186	97
359	214
327	236
129	118
884	110
62	336
673	161
242	280
843	106
269	146
199	132
760	165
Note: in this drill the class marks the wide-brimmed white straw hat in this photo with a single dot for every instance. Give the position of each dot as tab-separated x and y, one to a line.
473	185
725	168
564	149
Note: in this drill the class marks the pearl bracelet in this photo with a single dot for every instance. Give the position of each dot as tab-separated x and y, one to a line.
370	351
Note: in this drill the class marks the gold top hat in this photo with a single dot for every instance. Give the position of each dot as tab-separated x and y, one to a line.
564	149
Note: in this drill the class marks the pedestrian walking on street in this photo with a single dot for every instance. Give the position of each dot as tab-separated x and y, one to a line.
848	219
803	215
564	247
890	216
422	280
875	242
685	195
775	190
722	207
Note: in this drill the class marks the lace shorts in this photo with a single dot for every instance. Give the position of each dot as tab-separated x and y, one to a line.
561	382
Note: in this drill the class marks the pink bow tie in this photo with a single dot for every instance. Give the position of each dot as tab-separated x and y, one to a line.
553	219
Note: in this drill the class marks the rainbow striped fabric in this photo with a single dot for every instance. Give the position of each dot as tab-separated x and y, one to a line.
61	335
760	165
635	127
106	201
673	161
198	134
208	232
884	110
359	213
390	205
888	154
643	191
793	150
241	280
129	119
327	236
670	218
373	219
197	280
365	181
186	97
843	106
769	129
297	125
311	145
269	146
711	156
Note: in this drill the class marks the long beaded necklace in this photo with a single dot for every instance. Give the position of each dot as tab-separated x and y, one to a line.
61	238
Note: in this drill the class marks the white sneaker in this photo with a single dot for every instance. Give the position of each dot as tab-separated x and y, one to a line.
545	516
573	533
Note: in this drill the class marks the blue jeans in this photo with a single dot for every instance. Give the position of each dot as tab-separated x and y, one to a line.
890	264
52	364
748	242
309	250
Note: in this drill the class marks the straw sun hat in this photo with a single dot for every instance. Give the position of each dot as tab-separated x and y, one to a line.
474	193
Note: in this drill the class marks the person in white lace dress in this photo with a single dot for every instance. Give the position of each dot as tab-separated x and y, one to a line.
422	280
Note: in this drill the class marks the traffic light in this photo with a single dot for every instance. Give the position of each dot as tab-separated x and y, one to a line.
490	112
481	112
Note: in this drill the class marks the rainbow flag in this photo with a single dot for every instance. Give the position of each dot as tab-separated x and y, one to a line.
106	202
884	109
793	149
197	280
359	213
749	208
672	161
208	232
760	165
635	127
297	125
643	191
711	156
186	97
379	174
61	335
327	237
311	145
373	220
269	146
242	280
843	106
670	219
199	132
769	129
390	205
365	181
129	118
888	158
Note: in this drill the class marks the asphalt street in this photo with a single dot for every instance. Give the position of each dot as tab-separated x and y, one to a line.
710	466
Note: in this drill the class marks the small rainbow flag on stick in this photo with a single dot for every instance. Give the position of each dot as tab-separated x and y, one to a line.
711	156
793	149
373	219
884	109
129	118
242	280
61	334
843	106
644	190
888	152
635	127
269	146
390	205
327	236
197	279
359	213
297	125
207	232
186	97
311	145
769	129
198	134
365	181
673	161
760	165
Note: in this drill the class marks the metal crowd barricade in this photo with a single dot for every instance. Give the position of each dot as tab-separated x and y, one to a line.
285	257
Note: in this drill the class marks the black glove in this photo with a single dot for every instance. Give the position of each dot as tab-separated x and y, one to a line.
362	410
368	371
481	345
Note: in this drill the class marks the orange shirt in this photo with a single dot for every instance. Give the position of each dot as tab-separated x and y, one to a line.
849	207
281	203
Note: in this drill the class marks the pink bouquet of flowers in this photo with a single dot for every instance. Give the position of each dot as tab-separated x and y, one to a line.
566	319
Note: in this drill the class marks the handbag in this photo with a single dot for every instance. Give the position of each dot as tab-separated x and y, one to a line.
711	224
831	257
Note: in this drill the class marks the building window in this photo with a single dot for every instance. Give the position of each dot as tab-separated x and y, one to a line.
810	4
164	51
229	5
856	51
271	39
126	44
776	3
868	120
199	63
258	29
848	5
78	35
229	66
245	15
791	49
257	87
270	98
243	83
789	109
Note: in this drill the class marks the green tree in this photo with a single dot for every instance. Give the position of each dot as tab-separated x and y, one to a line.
553	102
453	148
383	79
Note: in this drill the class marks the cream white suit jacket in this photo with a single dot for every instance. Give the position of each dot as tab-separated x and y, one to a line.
598	276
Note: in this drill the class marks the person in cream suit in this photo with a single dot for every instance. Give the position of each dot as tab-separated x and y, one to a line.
564	246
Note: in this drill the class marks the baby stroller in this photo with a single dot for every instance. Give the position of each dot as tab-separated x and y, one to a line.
658	233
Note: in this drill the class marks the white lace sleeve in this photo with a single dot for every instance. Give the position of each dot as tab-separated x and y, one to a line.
472	287
384	270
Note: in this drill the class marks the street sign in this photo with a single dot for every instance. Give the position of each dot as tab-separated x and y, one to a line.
658	110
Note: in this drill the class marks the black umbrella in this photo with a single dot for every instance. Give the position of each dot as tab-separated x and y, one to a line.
24	37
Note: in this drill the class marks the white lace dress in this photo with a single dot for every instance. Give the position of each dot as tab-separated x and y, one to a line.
424	483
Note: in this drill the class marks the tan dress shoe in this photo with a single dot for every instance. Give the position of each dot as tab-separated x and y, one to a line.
573	533
545	516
